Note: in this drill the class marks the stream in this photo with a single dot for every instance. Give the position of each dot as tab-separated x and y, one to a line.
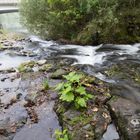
94	60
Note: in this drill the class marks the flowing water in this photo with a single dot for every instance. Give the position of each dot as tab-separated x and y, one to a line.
10	21
93	59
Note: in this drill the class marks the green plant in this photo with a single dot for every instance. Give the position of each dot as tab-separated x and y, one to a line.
61	135
73	91
83	21
46	84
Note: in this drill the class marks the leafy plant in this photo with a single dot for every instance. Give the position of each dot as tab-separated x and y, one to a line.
83	21
61	135
72	90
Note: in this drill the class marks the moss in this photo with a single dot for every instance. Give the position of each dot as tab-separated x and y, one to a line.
21	68
26	66
136	77
113	71
46	67
46	85
125	70
1	46
82	119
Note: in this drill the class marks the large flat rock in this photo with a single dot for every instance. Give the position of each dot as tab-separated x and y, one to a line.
127	117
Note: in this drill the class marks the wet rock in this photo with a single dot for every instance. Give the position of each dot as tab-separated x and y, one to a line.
53	95
3	79
101	120
4	124
46	67
41	62
26	53
86	124
126	90
4	138
45	128
127	117
58	74
107	47
8	43
18	96
10	70
12	119
32	98
26	66
111	133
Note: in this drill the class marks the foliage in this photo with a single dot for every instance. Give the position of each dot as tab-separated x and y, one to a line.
61	135
72	90
83	21
46	84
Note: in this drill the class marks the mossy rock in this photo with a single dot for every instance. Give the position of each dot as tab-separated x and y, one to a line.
84	124
125	70
26	67
58	74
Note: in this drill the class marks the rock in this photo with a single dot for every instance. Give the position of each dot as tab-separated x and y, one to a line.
26	66
18	96
46	67
32	97
41	62
35	69
101	120
4	138
3	79
4	124
53	95
12	120
10	70
85	124
58	74
127	117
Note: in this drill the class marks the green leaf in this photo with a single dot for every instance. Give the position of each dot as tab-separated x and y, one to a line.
68	89
81	102
76	78
59	86
69	97
69	76
89	96
73	77
81	90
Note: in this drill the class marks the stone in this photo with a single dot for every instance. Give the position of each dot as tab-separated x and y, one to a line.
85	124
127	117
31	98
41	62
58	74
4	138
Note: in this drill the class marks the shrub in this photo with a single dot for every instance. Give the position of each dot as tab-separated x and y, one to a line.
83	21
